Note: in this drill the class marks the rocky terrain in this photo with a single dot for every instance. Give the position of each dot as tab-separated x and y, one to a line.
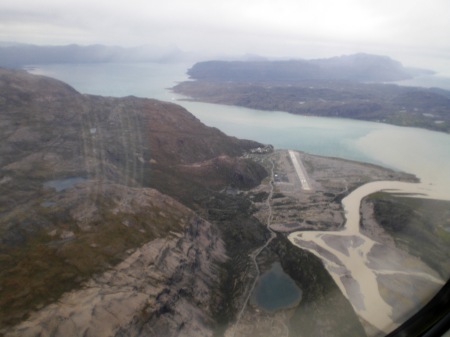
337	87
164	286
86	181
129	217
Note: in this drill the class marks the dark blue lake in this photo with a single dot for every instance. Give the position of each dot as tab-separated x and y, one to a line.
63	184
276	290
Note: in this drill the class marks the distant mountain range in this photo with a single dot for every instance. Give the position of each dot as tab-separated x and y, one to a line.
17	55
358	67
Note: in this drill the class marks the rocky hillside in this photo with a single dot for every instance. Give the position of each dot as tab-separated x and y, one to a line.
87	185
129	217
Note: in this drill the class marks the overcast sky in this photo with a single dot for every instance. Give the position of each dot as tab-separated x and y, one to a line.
416	32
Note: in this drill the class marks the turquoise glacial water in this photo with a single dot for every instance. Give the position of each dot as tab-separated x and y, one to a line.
421	152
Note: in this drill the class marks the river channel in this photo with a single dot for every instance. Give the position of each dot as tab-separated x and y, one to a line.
345	254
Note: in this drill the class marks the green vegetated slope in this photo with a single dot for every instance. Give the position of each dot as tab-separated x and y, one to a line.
348	87
324	311
420	226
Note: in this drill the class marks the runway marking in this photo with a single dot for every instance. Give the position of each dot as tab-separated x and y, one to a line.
301	172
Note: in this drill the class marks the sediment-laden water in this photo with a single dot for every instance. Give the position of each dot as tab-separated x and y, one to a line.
348	255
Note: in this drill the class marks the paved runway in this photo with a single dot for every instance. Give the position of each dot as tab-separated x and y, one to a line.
301	172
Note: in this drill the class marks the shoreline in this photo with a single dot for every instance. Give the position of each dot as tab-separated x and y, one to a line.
278	269
235	93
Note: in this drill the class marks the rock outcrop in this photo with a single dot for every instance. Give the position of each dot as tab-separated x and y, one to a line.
163	287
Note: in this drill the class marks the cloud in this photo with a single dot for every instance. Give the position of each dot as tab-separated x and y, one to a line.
234	26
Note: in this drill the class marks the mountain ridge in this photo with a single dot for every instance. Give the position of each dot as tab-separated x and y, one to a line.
87	179
359	67
13	55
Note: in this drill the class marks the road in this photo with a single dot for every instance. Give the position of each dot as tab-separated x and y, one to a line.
258	251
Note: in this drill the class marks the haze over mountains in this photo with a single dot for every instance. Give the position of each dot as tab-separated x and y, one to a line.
361	67
18	55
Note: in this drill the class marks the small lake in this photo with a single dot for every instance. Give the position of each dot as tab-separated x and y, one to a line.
63	184
276	290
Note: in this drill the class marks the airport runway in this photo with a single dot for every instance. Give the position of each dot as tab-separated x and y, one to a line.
301	172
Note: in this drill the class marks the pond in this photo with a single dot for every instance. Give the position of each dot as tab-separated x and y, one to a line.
63	184
276	290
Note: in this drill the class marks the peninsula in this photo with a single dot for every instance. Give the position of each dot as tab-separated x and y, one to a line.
354	86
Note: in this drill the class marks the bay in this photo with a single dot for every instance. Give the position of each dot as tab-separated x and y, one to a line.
421	152
117	79
427	81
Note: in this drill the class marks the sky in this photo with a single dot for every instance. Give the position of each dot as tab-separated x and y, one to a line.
416	32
